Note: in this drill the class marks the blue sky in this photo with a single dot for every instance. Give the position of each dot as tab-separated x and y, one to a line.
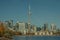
43	11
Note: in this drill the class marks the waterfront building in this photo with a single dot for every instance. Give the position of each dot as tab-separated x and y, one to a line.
42	28
21	27
33	29
38	29
36	33
16	27
53	27
44	33
9	23
45	27
51	33
6	23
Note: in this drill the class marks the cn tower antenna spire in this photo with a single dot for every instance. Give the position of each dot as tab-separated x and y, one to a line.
29	12
29	16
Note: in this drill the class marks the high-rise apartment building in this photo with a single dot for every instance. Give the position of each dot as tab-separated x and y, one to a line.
46	26
21	27
53	27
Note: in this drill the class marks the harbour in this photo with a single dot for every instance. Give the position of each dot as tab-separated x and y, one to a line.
37	37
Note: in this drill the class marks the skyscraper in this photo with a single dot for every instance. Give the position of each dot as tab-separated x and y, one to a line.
20	26
53	27
46	26
10	23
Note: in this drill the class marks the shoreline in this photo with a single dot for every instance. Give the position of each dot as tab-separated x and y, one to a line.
37	35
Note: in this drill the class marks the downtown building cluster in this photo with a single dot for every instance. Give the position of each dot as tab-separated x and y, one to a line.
23	28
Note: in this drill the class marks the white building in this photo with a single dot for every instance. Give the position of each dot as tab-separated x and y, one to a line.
53	27
21	27
34	29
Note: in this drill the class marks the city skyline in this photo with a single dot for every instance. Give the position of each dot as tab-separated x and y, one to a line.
43	11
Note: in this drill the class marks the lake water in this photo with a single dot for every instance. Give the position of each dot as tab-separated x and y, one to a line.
36	37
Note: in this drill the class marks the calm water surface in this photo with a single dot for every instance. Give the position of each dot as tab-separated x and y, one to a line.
37	38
